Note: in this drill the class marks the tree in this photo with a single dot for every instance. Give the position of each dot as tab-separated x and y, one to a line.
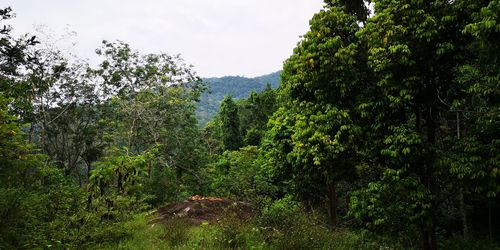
56	96
408	83
13	58
234	174
230	123
65	117
358	8
254	113
416	49
152	104
311	138
119	176
124	72
79	117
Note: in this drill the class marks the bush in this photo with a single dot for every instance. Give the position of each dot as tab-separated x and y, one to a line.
231	231
472	242
284	224
176	232
281	215
233	175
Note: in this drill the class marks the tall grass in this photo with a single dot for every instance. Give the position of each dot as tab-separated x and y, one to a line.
294	231
143	235
280	226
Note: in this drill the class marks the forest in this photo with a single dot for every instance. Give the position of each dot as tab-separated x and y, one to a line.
238	87
384	133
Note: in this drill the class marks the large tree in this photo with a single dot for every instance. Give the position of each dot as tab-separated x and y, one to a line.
151	104
311	139
409	99
422	145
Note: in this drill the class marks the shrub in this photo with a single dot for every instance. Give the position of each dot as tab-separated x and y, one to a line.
283	224
470	242
231	231
176	231
281	215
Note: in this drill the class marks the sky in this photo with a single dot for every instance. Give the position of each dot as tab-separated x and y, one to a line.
219	37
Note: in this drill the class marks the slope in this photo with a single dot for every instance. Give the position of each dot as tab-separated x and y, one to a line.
237	86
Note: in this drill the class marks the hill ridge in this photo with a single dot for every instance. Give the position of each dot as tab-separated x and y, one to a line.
239	87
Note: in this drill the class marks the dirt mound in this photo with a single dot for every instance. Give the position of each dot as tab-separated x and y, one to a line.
198	209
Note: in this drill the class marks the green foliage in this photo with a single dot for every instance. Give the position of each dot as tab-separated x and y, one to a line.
390	120
388	207
284	224
236	86
39	207
157	110
16	156
357	8
211	137
304	231
163	185
311	141
422	115
408	99
232	232
13	57
176	232
120	173
141	235
80	125
254	114
230	124
125	72
237	175
470	242
281	215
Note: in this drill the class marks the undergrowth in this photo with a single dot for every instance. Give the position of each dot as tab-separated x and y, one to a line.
282	224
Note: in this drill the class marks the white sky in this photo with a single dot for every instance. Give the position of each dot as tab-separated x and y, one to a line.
219	37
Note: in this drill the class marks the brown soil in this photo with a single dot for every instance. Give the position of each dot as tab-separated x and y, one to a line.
198	209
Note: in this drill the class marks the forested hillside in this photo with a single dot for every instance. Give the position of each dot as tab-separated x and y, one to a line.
236	86
383	134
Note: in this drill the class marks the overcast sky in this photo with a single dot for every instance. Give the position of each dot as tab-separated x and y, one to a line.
219	37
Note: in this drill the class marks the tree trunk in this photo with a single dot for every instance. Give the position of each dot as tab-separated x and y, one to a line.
332	202
463	212
89	202
461	199
425	238
429	240
120	186
89	168
490	229
429	230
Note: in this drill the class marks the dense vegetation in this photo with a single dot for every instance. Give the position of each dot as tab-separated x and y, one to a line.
238	87
383	134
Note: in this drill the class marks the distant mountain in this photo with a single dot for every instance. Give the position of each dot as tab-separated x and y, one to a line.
237	86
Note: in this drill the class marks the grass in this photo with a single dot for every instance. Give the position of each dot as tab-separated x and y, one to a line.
230	233
143	235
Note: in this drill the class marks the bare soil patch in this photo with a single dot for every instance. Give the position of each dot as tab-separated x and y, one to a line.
198	209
